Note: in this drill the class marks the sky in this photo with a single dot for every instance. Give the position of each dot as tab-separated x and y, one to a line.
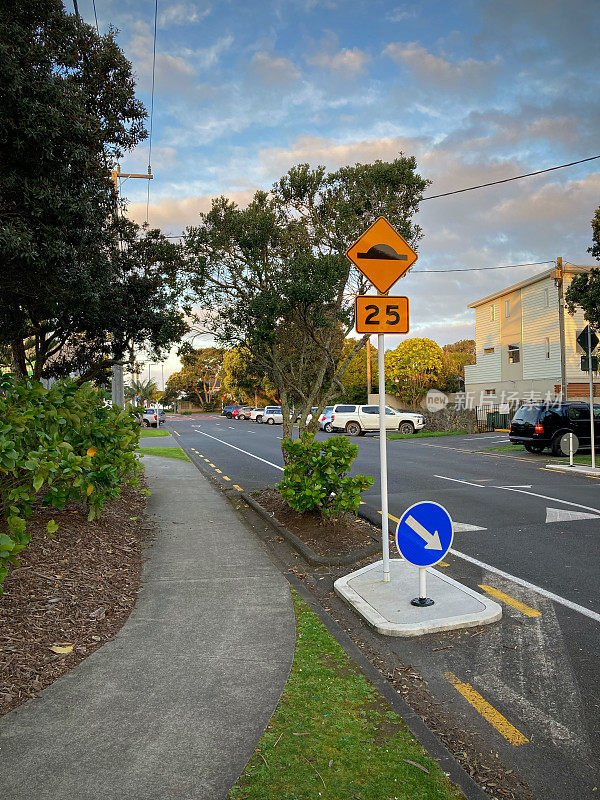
476	90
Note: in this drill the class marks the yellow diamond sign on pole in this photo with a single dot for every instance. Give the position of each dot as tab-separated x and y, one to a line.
382	255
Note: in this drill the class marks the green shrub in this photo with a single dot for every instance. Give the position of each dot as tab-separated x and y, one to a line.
315	477
58	445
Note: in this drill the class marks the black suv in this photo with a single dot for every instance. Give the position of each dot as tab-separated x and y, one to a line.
538	426
228	411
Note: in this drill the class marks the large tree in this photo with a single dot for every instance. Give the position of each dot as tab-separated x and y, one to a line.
584	289
68	113
276	278
412	368
199	374
355	376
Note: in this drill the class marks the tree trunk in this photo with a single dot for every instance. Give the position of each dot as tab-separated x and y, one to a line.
19	359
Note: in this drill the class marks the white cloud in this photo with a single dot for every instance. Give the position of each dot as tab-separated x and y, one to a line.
206	57
182	14
436	71
401	13
348	62
173	214
274	70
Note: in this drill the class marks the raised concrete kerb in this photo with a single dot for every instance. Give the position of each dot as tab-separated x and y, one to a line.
577	468
386	606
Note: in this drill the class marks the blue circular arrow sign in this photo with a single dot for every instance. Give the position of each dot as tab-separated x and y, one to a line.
424	533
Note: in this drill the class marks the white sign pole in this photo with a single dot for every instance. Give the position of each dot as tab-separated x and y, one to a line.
592	436
385	537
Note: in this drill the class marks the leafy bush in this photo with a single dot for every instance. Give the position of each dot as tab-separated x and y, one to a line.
58	445
315	477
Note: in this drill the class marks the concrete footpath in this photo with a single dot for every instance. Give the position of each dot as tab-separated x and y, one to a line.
174	706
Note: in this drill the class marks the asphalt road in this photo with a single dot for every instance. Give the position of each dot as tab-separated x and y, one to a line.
521	529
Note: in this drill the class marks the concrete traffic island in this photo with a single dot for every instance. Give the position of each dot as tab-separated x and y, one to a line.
387	606
580	469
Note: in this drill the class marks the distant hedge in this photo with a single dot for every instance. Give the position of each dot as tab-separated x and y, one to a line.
58	445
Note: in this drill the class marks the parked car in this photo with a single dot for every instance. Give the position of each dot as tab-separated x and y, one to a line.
272	416
325	419
356	420
152	417
298	417
242	413
228	411
538	426
256	414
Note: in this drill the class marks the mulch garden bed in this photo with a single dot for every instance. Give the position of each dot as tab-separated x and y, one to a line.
71	593
329	538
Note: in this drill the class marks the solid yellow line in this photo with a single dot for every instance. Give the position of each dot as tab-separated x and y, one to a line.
487	711
176	434
442	564
225	478
239	488
502	430
559	471
506	598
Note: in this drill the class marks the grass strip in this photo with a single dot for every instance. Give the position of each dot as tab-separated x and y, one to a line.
164	452
147	433
425	434
334	737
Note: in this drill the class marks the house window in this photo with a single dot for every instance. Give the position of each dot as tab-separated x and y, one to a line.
492	313
488	350
514	355
547	347
489	392
546	298
507	308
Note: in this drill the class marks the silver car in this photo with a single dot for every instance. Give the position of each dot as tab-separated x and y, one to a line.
152	417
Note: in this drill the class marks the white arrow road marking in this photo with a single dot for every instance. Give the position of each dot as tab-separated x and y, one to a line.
432	540
463	527
560	515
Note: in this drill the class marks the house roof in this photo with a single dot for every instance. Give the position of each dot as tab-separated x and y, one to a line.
548	273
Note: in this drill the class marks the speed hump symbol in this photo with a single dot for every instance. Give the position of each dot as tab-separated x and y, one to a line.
375	314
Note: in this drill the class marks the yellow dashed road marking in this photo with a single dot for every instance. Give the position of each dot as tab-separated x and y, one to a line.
210	464
218	470
442	564
560	471
487	711
506	598
207	460
239	488
225	478
176	434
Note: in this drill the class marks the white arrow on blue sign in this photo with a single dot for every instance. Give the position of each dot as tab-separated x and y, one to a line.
424	533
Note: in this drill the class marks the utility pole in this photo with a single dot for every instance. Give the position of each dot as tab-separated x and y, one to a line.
558	281
368	368
592	419
118	391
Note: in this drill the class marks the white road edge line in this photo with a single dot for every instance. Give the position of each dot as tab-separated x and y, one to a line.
458	480
521	491
550	595
545	497
258	458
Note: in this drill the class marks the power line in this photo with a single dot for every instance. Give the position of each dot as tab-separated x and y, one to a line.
507	180
482	269
96	17
151	109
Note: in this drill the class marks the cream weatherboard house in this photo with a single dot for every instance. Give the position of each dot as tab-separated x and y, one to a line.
518	344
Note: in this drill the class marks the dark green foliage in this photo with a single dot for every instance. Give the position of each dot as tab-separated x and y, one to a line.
584	291
68	112
58	445
316	478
